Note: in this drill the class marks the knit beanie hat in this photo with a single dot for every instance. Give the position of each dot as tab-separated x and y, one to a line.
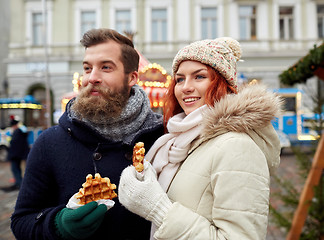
220	53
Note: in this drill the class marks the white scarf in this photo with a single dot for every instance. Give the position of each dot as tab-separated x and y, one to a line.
171	149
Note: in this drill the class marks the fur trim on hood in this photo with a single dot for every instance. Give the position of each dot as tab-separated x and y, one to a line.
250	111
252	108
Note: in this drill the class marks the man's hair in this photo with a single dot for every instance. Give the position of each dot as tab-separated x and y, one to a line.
129	56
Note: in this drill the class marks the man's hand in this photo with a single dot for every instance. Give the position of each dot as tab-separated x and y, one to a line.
80	223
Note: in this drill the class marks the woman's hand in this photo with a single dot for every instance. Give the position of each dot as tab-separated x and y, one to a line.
143	195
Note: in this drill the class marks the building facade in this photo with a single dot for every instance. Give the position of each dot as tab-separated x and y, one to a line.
274	34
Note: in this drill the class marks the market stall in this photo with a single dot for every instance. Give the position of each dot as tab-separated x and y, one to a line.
308	66
26	107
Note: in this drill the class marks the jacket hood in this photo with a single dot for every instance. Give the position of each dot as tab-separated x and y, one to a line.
250	111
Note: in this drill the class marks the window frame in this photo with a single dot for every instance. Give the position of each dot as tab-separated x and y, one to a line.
36	8
209	20
288	31
127	22
83	6
37	29
168	5
320	21
250	21
86	25
162	26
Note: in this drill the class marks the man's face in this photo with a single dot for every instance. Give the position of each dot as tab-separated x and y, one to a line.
105	87
102	67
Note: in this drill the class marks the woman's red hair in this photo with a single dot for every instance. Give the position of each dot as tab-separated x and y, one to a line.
218	88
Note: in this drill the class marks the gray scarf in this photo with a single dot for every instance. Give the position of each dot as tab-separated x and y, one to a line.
137	116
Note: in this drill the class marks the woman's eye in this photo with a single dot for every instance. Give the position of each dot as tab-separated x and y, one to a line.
200	77
178	80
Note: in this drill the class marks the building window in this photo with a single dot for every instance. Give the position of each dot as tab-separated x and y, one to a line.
159	25
209	23
320	21
286	23
88	21
37	28
247	16
123	20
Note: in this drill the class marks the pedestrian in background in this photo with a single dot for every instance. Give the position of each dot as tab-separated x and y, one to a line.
96	134
210	174
17	152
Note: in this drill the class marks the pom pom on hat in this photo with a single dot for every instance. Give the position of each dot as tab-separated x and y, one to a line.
220	53
233	45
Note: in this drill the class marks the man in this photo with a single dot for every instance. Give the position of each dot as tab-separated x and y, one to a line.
96	134
17	152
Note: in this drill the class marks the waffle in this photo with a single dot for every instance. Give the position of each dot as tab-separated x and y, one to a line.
95	189
138	156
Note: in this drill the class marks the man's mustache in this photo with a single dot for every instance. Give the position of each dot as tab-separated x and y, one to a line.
103	91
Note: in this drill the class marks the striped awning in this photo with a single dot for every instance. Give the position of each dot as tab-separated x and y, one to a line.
143	62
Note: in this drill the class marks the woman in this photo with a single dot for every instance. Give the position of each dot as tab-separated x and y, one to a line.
214	164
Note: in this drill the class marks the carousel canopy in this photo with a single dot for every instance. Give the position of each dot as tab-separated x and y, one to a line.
27	102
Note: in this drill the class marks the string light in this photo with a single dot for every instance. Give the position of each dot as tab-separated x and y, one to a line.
77	79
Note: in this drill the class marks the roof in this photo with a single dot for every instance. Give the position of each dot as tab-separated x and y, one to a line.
308	66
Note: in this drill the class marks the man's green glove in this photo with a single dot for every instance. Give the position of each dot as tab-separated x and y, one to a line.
80	223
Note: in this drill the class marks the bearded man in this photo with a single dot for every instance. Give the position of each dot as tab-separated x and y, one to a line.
96	134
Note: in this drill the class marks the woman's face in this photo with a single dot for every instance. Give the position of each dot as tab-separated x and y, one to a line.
192	81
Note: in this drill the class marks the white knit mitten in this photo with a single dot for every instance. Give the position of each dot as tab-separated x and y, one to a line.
143	197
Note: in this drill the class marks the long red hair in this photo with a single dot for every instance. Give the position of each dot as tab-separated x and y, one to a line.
218	88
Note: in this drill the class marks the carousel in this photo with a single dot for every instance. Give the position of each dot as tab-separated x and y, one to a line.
154	80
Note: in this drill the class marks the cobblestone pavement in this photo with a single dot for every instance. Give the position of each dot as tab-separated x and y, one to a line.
7	200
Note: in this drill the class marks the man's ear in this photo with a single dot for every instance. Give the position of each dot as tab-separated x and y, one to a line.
132	78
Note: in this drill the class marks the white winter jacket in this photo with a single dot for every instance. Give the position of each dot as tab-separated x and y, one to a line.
221	191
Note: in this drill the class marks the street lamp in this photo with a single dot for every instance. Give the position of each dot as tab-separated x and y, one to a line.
48	115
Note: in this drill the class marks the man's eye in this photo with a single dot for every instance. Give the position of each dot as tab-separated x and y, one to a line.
86	68
106	67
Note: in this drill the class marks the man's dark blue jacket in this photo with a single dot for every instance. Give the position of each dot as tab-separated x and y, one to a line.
57	165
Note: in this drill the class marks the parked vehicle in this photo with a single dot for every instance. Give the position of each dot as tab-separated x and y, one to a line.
5	136
294	126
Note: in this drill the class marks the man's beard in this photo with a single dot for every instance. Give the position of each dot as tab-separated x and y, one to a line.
97	109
